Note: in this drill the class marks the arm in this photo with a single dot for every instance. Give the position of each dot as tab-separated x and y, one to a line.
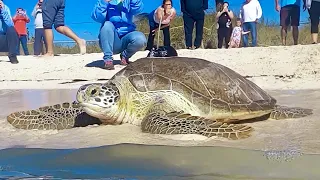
157	29
34	12
243	33
5	13
259	10
205	4
26	18
183	6
240	14
174	13
14	18
159	13
136	7
99	12
218	14
230	13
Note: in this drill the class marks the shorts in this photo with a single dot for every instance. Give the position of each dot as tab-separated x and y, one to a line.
53	13
290	14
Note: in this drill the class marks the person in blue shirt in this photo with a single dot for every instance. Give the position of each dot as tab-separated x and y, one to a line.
289	14
8	35
118	32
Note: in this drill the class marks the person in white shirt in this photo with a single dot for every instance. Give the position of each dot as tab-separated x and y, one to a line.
39	31
250	13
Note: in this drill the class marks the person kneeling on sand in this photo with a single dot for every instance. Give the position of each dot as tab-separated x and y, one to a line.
8	35
236	35
53	13
118	32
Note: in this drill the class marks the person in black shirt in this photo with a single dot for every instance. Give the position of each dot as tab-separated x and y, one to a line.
193	12
224	18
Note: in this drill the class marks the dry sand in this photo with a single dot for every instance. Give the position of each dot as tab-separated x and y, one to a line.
290	74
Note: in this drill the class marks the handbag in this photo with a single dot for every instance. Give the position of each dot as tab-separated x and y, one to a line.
162	51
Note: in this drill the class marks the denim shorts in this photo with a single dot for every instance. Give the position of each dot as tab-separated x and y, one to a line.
53	13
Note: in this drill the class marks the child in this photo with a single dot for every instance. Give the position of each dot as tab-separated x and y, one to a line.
236	35
53	13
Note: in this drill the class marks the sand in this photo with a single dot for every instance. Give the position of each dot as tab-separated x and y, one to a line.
290	74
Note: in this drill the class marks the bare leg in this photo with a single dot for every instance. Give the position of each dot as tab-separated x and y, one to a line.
284	35
48	34
69	33
295	34
314	37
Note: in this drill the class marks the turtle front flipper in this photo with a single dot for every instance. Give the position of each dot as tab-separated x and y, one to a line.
182	123
284	112
59	116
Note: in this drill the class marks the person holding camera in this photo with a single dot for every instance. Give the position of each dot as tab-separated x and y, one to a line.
39	31
224	18
20	21
166	13
8	34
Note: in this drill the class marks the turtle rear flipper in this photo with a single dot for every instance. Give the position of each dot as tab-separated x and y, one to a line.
59	116
183	123
284	112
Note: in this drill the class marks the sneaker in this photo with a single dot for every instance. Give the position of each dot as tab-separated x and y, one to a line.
123	60
13	59
108	65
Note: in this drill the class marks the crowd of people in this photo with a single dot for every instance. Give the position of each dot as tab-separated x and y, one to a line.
47	13
118	33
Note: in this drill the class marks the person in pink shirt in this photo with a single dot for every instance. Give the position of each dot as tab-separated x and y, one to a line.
166	13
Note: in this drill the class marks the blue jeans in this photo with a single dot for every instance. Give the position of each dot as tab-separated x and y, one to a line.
111	43
23	40
38	41
252	27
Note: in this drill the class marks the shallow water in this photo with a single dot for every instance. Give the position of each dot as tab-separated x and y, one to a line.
129	161
74	153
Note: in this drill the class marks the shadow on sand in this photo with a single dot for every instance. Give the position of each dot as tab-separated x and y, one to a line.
100	63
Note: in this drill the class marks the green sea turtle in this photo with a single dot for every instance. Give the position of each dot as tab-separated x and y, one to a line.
173	95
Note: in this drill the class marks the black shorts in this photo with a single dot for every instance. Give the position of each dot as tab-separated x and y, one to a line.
290	14
53	13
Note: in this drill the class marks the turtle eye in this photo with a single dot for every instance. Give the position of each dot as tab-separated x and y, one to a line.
92	91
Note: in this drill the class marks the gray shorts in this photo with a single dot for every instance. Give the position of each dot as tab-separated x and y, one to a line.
53	13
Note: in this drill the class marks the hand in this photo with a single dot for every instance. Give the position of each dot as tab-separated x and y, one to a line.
154	31
304	7
278	8
1	4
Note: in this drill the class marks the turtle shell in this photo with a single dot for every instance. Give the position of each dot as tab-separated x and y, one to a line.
208	85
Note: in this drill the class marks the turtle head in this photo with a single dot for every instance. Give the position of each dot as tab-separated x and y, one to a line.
99	100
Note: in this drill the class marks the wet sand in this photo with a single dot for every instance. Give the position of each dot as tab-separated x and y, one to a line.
300	135
290	74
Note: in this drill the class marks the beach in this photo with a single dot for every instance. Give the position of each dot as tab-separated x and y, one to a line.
291	74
